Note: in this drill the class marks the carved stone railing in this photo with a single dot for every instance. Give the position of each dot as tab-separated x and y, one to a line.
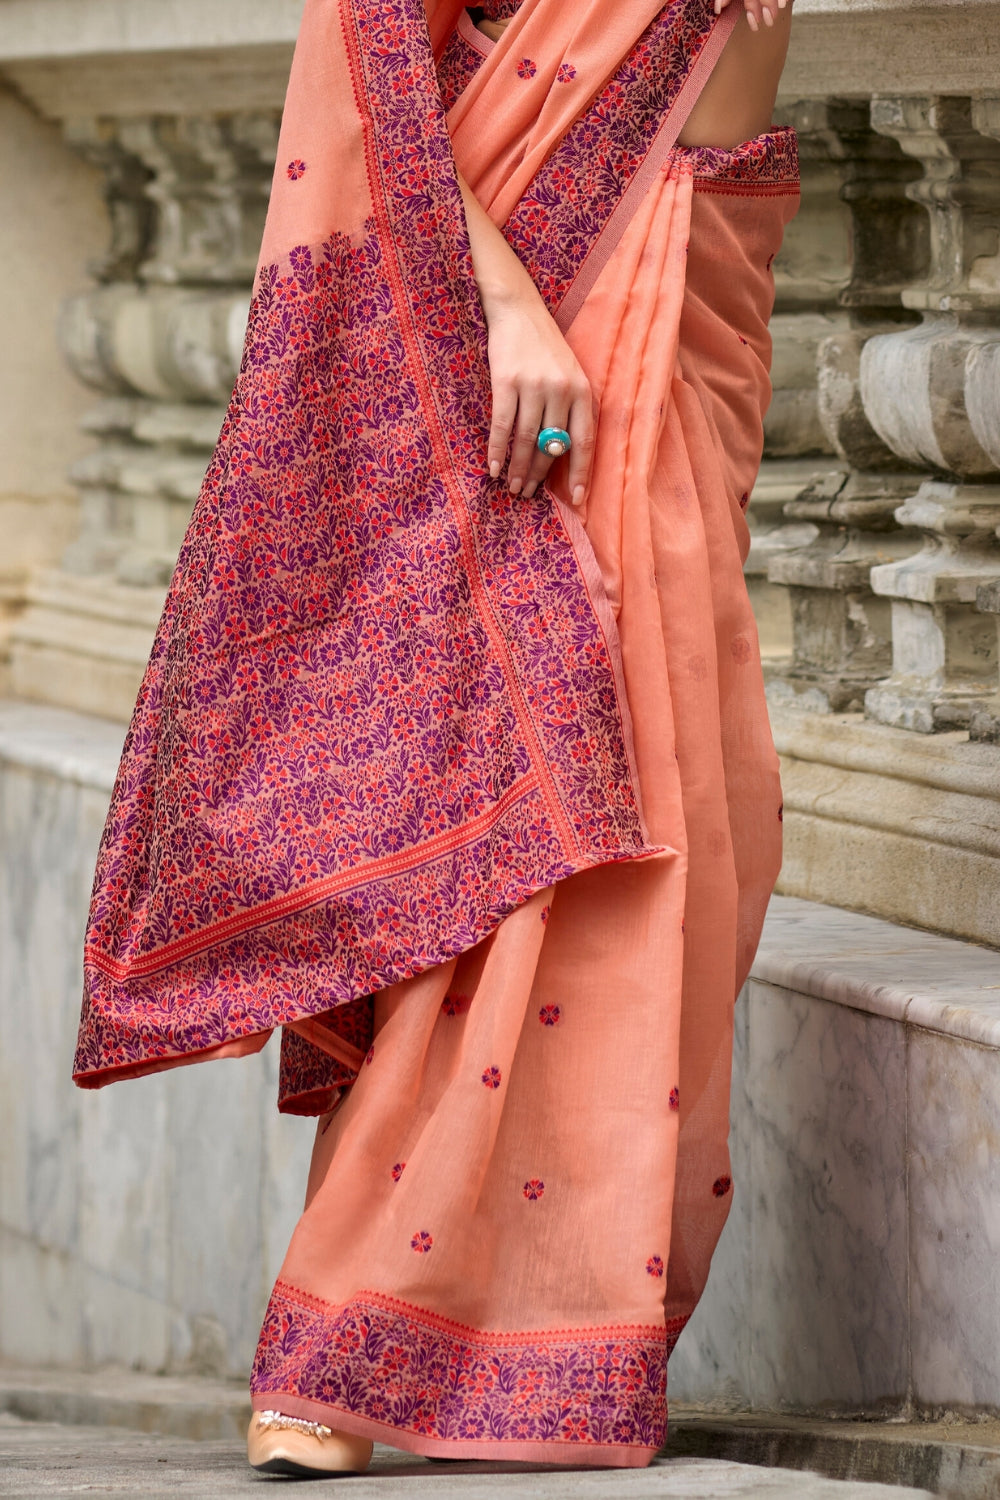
875	563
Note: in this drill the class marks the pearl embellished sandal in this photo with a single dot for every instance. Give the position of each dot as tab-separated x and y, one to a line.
277	1444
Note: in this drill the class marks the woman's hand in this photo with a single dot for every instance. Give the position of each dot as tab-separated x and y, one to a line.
757	11
537	380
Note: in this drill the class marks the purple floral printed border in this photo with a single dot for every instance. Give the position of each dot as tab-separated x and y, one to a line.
381	708
400	1367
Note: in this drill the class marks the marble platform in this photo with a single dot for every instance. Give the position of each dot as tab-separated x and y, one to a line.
144	1224
860	1268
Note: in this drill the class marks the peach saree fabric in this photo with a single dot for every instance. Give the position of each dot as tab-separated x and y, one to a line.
476	798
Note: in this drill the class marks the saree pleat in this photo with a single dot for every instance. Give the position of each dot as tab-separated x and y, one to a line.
475	798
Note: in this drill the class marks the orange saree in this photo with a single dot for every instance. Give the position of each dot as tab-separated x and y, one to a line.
474	797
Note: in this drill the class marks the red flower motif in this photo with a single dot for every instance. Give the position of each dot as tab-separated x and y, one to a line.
534	1189
654	1265
295	170
550	1015
545	913
454	1005
721	1186
491	1078
398	1170
675	1098
566	73
526	68
421	1242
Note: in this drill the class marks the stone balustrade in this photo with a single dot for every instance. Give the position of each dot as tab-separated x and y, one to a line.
875	563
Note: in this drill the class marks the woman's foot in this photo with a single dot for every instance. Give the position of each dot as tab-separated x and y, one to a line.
277	1444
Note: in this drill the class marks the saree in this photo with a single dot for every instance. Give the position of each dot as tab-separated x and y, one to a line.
474	797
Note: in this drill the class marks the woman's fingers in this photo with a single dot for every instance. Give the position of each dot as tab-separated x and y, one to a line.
501	427
524	449
757	11
581	457
537	383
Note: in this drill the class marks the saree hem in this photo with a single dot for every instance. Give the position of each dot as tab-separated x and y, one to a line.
381	1367
486	1450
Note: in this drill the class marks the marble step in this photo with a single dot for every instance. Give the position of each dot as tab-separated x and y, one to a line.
859	1272
955	1460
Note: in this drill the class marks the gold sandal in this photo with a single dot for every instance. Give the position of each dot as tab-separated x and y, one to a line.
277	1444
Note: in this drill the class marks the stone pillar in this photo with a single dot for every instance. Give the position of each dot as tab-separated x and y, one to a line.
932	394
160	338
985	717
45	190
866	243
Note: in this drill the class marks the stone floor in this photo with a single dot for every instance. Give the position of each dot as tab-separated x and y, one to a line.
44	1458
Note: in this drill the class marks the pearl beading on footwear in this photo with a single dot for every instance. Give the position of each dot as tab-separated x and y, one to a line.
276	1421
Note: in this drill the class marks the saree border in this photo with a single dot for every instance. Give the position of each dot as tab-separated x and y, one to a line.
393	241
380	1366
657	155
143	966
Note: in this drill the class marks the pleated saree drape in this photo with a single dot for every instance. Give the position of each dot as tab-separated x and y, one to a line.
474	797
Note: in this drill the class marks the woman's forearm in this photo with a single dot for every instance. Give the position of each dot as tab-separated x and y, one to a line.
537	380
500	276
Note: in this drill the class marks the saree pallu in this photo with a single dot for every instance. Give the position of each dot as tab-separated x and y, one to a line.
476	798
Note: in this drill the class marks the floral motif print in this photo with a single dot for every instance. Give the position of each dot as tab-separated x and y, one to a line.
534	1189
460	62
352	753
455	1005
721	1186
550	1015
409	1370
675	1098
398	1170
492	1078
370	1056
558	221
312	1081
570	202
654	1265
768	163
295	170
422	1242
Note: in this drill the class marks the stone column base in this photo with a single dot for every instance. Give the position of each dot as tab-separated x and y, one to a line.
884	821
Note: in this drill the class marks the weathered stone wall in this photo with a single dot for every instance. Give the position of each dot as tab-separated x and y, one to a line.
51	223
876	565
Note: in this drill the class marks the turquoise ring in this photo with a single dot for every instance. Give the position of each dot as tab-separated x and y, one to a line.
554	442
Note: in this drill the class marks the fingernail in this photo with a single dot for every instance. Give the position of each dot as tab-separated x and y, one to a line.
578	495
495	469
515	486
768	18
752	21
530	491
